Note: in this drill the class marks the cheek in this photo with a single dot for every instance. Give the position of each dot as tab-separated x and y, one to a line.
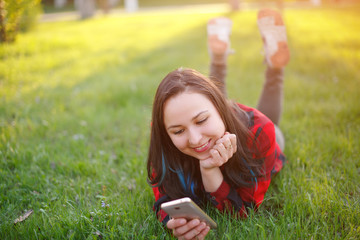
220	132
223	129
178	142
218	127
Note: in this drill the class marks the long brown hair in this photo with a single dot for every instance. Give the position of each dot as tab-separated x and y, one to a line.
178	174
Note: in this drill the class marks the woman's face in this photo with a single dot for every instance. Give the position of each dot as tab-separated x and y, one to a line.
193	124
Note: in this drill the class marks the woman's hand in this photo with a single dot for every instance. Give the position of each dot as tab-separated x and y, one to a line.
223	150
183	229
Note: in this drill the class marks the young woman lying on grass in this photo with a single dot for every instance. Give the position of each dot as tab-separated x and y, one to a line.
206	147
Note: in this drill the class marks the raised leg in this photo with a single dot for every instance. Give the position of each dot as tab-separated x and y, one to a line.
271	98
277	55
219	30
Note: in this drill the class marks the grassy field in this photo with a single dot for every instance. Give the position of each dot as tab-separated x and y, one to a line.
75	106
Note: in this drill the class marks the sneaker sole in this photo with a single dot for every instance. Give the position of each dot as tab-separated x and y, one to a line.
273	32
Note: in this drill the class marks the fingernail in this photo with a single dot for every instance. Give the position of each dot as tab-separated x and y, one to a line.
182	221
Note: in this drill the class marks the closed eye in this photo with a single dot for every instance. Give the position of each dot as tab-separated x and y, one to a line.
202	121
179	132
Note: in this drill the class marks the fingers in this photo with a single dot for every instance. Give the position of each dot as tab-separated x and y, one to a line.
193	229
229	142
176	223
216	159
187	229
221	154
222	151
233	143
195	232
226	148
203	233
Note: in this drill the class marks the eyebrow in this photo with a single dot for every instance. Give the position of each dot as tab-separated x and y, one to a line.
196	116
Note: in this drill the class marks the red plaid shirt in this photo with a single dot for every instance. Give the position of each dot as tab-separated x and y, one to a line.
228	198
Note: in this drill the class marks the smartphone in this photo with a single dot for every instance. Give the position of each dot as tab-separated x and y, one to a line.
186	208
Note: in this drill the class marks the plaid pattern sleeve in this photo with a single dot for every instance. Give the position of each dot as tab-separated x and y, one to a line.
227	198
264	131
159	199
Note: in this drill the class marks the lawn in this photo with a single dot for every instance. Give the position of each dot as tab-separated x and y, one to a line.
75	109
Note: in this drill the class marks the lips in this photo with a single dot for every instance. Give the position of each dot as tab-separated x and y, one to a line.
203	147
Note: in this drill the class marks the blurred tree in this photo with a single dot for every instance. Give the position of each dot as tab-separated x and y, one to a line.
105	6
2	21
86	8
17	15
60	3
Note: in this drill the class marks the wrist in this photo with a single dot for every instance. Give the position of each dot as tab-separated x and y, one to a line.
209	171
212	178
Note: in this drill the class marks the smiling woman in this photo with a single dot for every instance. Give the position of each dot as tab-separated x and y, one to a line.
193	124
208	148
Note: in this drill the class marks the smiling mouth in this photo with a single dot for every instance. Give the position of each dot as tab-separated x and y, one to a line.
203	147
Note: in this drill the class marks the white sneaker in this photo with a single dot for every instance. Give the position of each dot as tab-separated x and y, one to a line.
219	30
273	33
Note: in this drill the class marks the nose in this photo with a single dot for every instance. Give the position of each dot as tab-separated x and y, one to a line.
194	137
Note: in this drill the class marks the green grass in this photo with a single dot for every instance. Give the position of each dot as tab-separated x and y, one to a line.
75	106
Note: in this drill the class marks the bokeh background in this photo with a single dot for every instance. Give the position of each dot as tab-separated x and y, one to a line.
77	81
